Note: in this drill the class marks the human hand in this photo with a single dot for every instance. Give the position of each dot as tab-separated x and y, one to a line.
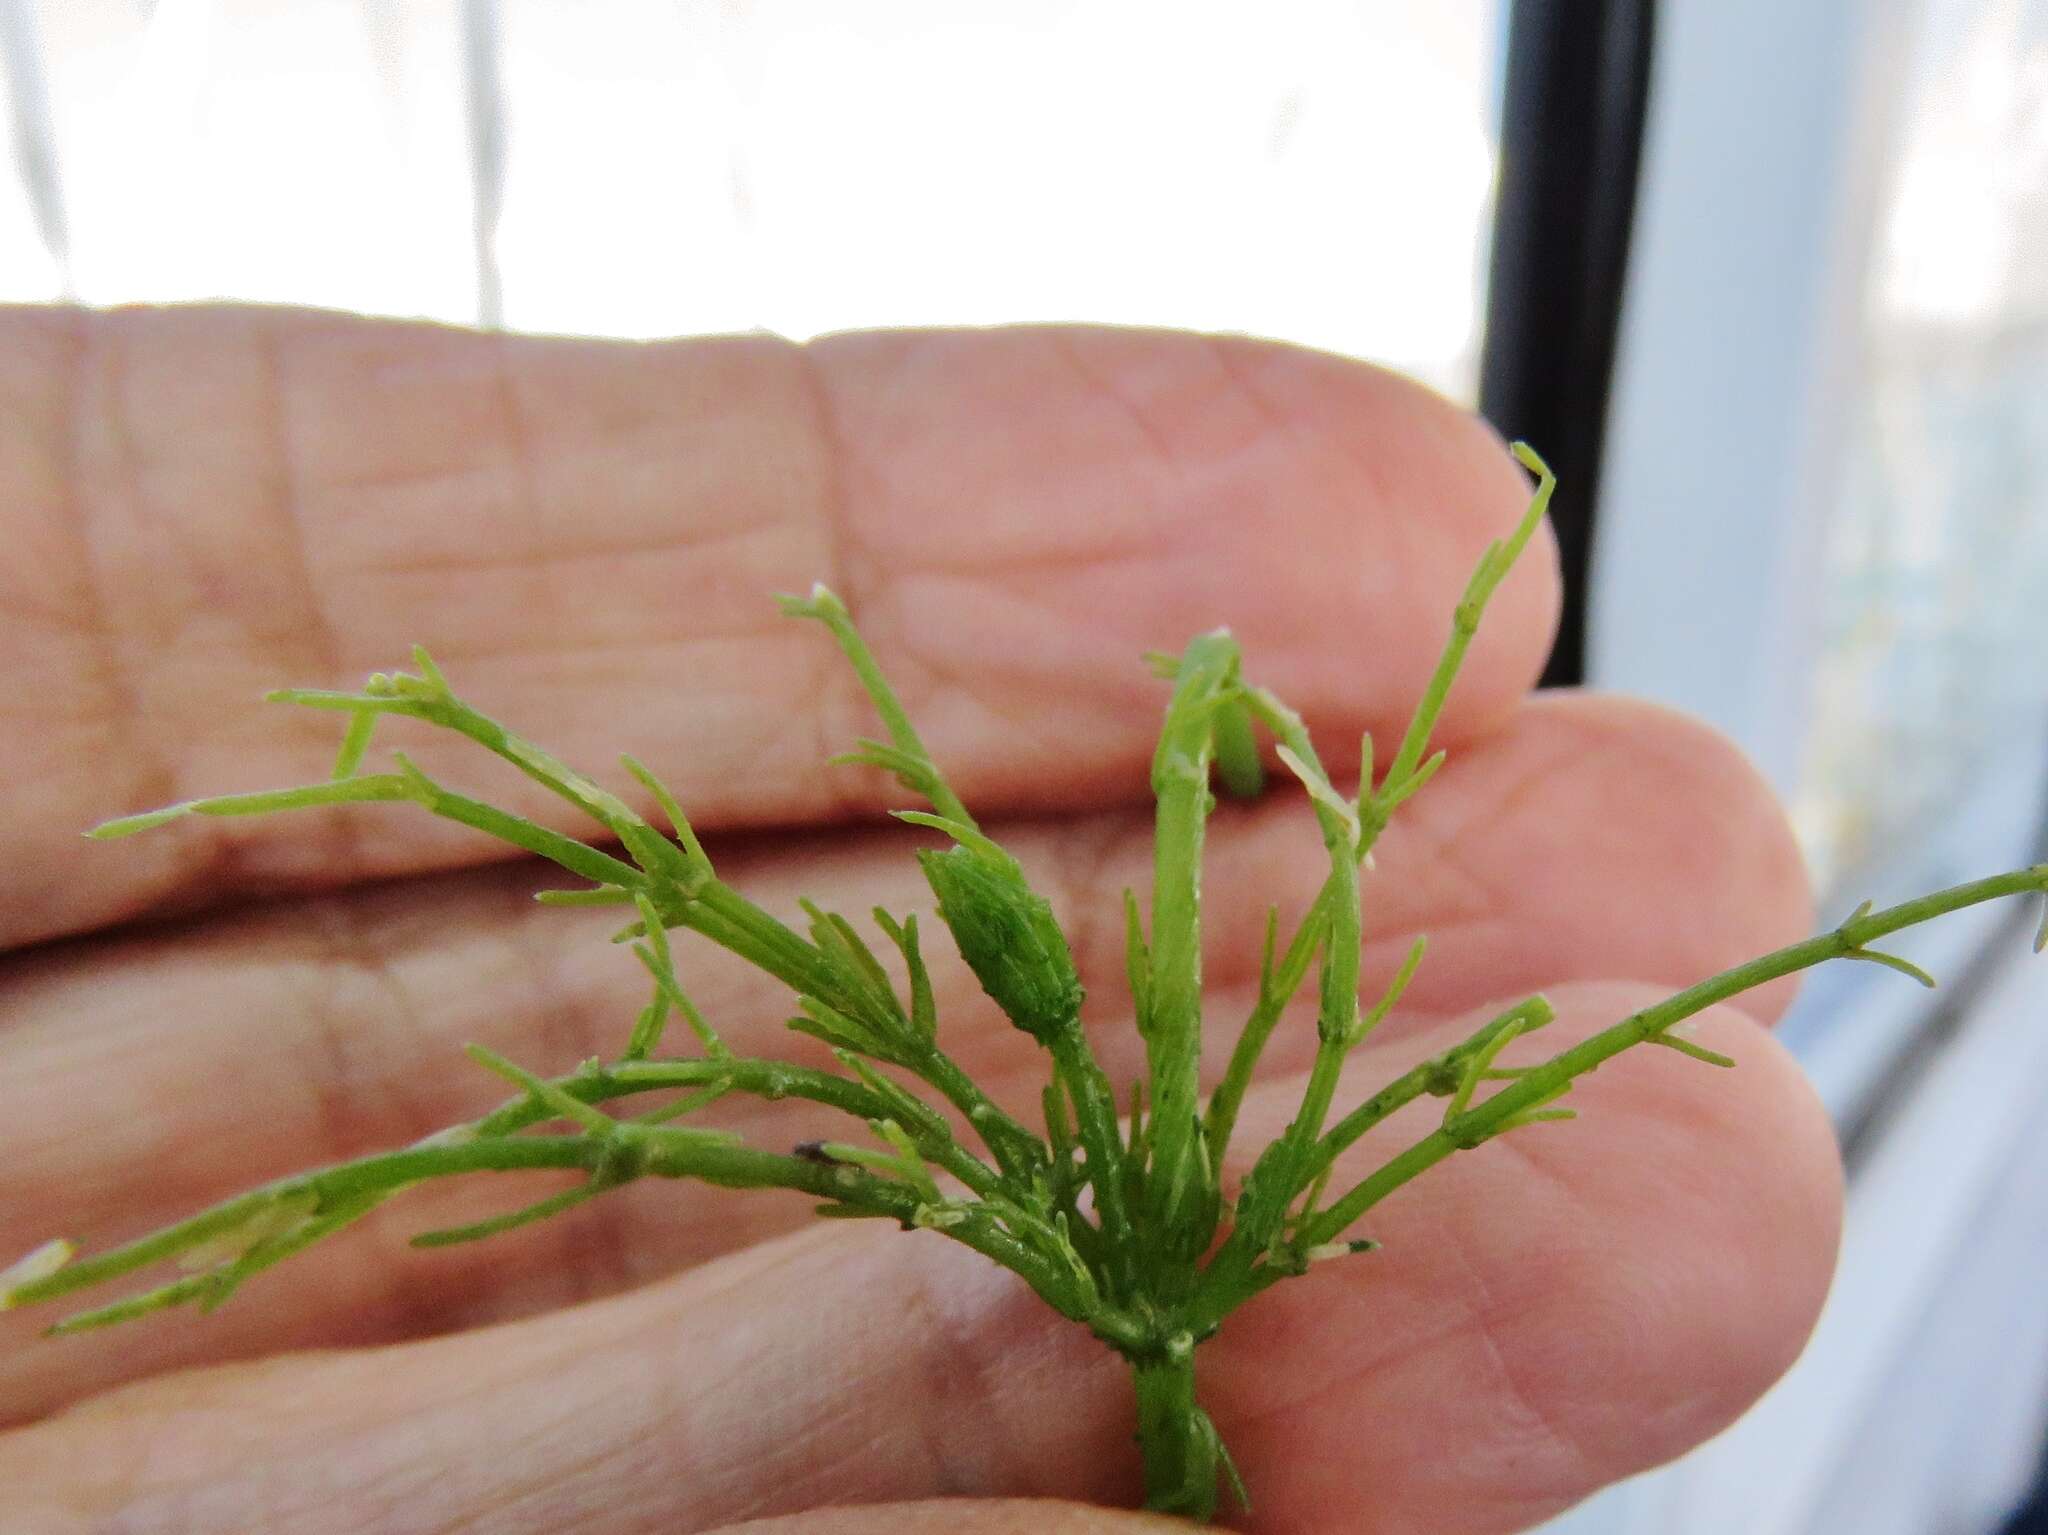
205	503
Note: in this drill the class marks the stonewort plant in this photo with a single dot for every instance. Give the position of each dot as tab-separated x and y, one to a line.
1119	1220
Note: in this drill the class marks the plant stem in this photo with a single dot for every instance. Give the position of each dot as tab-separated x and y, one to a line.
768	1080
1541	1083
737	924
1180	782
1095	1124
1499	559
1178	1442
1277	986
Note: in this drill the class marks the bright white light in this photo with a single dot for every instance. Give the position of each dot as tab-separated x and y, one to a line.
1316	172
1976	152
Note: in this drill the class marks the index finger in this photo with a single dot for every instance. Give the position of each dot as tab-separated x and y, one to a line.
205	503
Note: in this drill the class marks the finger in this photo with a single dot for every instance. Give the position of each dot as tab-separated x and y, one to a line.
344	1016
208	503
1007	1516
1549	1313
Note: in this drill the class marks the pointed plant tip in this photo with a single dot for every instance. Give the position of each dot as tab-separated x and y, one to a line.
428	670
129	825
1531	460
37	1265
966	836
793	606
820	601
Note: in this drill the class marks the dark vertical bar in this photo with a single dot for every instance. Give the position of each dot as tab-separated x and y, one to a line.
2031	1517
1572	114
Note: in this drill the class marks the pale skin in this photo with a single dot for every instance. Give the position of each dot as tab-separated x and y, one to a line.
201	504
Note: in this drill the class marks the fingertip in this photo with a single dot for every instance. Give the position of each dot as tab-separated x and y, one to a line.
1428	485
964	1516
1559	1309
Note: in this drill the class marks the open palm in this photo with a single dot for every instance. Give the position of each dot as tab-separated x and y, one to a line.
200	504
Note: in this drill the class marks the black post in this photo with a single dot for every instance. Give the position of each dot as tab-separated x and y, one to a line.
1571	141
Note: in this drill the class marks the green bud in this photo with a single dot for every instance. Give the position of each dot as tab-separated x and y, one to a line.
1007	935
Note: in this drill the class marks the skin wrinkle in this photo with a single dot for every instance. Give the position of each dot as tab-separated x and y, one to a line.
1091	696
154	777
1090	551
102	392
1005	1516
839	712
335	1080
628	1368
1368	469
685	541
1546	1426
1235	358
515	448
1066	349
1171	466
1446	854
343	1095
312	620
927	683
322	641
490	1516
963	1373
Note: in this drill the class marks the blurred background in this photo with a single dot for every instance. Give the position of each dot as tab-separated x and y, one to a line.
1768	283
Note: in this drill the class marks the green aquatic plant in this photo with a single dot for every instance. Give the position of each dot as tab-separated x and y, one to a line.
1120	1221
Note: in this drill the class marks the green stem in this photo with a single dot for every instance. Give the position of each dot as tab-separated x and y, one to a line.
1349	831
1178	1442
327	1187
1095	1125
1493	568
1275	1179
1232	1276
738	925
1277	986
1016	1150
623	1152
772	1081
1540	1084
923	774
1180	783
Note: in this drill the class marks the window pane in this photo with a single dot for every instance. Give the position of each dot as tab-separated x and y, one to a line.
1938	555
1319	172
